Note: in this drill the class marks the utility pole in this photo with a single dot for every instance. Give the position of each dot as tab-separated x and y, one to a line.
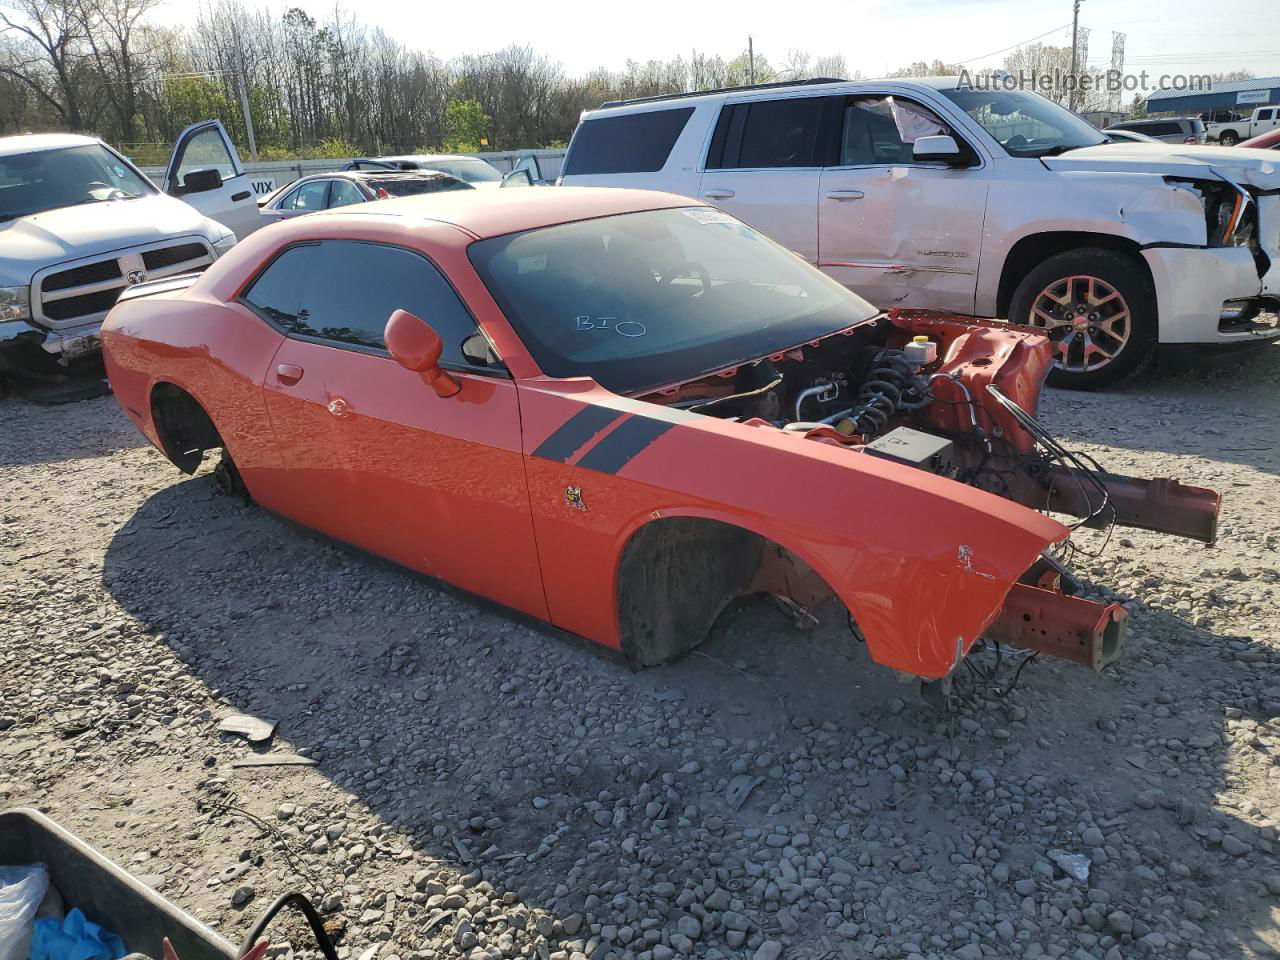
1075	37
751	61
244	100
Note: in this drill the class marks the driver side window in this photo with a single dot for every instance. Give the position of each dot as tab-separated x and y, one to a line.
206	150
883	130
342	292
309	196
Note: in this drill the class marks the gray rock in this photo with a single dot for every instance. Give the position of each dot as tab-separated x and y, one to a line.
717	900
1120	922
689	926
1234	846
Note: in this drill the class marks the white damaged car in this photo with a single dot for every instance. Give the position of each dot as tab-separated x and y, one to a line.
79	223
931	193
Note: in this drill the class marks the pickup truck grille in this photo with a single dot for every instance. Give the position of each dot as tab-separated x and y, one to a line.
83	293
83	305
168	256
78	277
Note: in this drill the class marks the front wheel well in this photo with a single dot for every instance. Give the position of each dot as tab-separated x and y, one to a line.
676	575
183	427
1031	251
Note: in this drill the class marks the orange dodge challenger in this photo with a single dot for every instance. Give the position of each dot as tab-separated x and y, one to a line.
618	411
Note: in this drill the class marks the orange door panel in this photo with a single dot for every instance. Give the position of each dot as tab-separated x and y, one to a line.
434	483
313	486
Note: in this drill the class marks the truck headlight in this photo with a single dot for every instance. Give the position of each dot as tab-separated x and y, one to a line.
224	243
15	303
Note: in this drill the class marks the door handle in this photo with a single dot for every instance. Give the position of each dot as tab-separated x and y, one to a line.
339	407
288	373
718	194
242	195
845	195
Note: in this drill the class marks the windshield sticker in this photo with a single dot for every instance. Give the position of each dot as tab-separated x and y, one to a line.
708	215
531	264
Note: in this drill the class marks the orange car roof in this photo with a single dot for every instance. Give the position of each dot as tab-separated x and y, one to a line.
492	213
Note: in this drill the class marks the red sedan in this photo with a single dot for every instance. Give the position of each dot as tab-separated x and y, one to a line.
618	411
1264	141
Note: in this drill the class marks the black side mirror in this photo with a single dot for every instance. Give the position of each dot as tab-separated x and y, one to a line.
201	181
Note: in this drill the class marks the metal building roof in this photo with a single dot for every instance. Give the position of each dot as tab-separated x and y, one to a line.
1221	86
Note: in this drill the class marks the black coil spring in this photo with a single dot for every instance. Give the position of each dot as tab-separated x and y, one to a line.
892	385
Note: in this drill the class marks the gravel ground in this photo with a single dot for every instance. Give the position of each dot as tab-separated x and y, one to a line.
485	787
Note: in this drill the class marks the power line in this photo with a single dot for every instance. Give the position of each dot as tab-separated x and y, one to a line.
1015	45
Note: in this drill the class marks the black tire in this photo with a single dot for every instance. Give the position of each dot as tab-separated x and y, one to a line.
1125	275
226	476
1228	138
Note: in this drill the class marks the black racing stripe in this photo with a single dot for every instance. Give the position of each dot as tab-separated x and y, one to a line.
570	437
617	448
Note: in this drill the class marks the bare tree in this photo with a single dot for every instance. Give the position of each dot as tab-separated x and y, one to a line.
47	53
109	28
320	84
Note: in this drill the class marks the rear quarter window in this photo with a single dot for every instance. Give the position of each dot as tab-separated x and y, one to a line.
630	143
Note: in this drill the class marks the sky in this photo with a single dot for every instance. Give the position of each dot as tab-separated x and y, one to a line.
875	36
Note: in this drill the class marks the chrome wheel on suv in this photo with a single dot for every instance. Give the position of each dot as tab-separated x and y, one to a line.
1086	318
1099	309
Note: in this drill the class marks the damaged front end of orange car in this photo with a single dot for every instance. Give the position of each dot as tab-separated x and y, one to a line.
988	380
957	397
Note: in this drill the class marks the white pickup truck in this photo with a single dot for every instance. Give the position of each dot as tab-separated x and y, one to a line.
1231	132
79	223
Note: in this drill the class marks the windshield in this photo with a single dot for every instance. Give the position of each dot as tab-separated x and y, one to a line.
645	299
45	179
472	171
1026	124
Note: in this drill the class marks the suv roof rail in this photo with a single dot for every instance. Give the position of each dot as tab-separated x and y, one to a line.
702	93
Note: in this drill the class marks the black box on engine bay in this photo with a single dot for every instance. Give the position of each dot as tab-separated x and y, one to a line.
914	448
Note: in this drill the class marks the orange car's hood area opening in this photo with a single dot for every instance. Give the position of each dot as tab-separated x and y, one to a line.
957	398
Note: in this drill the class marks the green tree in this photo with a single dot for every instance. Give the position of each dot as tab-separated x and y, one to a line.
465	126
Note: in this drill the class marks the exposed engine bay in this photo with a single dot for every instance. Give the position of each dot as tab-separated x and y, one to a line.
957	398
953	396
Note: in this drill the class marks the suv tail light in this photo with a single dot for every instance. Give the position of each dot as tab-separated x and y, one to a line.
1191	139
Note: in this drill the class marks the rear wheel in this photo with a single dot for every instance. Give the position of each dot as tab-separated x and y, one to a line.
1228	138
1099	309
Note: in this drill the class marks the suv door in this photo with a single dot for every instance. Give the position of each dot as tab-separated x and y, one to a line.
226	197
763	166
897	231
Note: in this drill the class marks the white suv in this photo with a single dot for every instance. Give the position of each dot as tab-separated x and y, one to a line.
994	203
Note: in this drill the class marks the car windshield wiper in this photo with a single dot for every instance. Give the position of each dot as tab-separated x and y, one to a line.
1063	148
